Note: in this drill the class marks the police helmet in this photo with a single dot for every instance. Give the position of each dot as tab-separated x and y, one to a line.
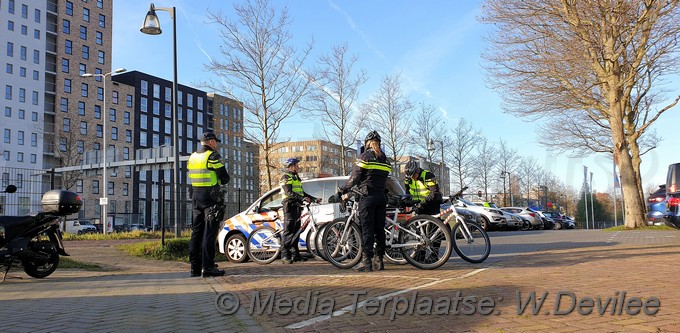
412	167
372	135
291	161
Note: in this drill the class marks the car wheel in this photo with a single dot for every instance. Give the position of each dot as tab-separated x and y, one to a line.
235	248
558	226
485	223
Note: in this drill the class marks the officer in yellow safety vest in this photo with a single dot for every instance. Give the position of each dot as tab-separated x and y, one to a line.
423	187
293	197
206	174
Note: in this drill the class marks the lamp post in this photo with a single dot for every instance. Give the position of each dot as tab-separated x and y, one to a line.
503	173
104	200
152	26
431	148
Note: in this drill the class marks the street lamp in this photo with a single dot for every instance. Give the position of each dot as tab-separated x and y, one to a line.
431	148
152	26
104	200
505	200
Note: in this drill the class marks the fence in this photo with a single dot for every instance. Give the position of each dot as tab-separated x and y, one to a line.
30	183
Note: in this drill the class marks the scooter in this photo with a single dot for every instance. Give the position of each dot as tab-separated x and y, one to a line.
34	241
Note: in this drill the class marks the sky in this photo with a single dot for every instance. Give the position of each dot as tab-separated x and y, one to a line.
434	44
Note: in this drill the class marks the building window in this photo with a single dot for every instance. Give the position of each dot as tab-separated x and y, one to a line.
36	33
20	157
114	97
9	69
24	30
82	69
112	114
34	98
79	185
62	144
36	56
20	137
66	26
68	47
86	15
126	118
22	71
100	131
145	88
100	3
22	95
8	111
22	114
126	189
95	187
64	65
10	25
67	86
22	52
81	108
97	111
100	56
8	92
128	136
99	38
83	90
86	52
81	146
10	9
100	93
34	139
5	156
114	133
10	49
69	8
143	106
102	21
143	122
128	101
83	32
156	107
67	124
36	75
37	16
83	128
24	11
34	158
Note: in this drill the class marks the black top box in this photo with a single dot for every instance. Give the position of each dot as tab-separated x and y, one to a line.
61	202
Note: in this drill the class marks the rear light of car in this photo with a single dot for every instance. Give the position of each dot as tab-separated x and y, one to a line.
657	199
673	202
532	214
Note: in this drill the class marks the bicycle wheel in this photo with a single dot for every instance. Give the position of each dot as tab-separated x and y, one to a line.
342	243
318	241
393	255
474	248
312	243
264	245
425	241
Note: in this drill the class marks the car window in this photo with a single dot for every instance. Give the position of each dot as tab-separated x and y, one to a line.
271	202
314	188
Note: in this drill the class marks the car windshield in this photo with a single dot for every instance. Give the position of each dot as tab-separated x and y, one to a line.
85	223
469	203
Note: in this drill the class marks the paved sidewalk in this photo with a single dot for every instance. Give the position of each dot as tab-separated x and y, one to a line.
134	295
138	295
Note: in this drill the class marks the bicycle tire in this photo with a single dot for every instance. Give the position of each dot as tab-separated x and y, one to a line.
433	247
345	255
393	255
261	252
318	241
477	249
312	244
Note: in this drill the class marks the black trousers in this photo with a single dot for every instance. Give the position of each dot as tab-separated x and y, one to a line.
372	210
291	225
203	233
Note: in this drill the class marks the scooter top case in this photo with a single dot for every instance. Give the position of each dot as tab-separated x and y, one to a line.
61	202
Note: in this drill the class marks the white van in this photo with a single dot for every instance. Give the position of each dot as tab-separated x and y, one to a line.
78	227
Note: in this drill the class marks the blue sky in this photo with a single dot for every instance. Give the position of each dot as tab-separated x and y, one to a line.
436	45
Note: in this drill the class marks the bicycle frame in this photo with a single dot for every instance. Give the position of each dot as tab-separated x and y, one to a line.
459	219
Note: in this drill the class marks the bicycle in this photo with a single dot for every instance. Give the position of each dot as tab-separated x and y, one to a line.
470	240
422	240
264	243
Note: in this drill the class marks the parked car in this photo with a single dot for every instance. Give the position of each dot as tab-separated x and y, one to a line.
528	213
548	223
267	210
492	218
557	217
78	227
512	221
656	206
568	222
139	227
672	217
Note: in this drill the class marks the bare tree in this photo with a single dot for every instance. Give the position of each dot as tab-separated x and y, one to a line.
599	63
69	150
389	109
526	173
486	160
335	89
461	152
426	125
507	163
262	69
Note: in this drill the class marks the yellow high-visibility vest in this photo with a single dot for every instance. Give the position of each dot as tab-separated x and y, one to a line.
199	174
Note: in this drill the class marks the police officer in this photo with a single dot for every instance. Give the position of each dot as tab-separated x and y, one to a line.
293	196
206	174
370	175
423	187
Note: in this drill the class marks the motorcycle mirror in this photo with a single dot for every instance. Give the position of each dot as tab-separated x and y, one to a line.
10	189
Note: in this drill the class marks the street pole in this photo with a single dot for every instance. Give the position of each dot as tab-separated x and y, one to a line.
104	200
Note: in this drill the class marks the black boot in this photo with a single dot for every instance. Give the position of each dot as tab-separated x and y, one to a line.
378	264
364	265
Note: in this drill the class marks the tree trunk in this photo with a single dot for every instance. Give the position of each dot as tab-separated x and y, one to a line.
634	205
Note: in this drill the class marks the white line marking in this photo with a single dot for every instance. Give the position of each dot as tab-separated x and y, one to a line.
351	308
332	276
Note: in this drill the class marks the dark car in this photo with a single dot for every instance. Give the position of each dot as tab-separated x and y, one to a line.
672	217
656	206
557	219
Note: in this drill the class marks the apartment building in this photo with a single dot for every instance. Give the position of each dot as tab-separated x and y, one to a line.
318	158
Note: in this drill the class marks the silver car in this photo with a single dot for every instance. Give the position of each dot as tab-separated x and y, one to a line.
528	213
